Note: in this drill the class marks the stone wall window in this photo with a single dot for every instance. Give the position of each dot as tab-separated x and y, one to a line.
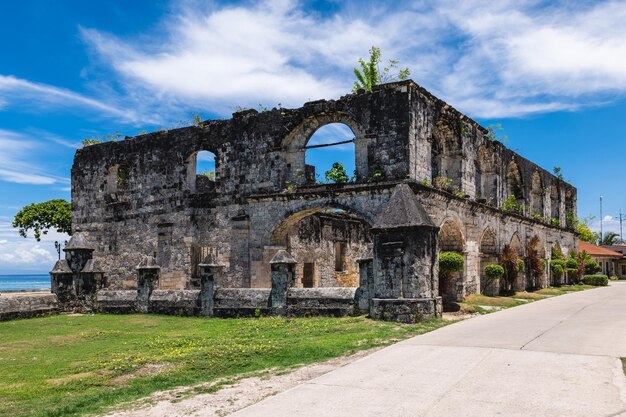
201	172
486	177
332	143
117	179
555	203
536	196
340	256
308	275
446	157
514	183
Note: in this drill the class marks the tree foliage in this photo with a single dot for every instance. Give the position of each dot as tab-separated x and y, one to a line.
42	217
370	73
510	262
611	238
450	262
584	232
337	174
494	271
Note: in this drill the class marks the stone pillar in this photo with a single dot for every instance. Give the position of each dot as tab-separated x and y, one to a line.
207	287
62	285
87	284
283	266
405	264
363	296
147	280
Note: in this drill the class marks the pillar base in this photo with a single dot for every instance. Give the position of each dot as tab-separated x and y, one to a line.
406	310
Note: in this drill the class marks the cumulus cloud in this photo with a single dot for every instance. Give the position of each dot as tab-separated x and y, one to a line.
503	59
26	254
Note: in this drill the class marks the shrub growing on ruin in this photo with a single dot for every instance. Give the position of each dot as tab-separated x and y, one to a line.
370	74
450	262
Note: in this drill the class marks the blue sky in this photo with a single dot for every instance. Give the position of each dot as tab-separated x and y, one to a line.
553	73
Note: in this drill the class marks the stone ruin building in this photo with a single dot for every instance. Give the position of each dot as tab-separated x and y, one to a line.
261	235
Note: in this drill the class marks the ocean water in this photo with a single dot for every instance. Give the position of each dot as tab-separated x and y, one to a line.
24	282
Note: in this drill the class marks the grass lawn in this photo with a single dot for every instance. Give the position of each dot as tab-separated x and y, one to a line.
476	303
71	365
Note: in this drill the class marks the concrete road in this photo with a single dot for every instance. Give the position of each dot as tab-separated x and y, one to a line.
555	357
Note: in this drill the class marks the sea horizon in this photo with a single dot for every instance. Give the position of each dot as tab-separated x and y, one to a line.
24	282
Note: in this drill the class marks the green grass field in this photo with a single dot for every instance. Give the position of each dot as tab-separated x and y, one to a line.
72	365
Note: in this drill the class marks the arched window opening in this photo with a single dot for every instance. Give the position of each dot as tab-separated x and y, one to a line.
555	205
570	209
201	172
486	177
326	243
537	195
515	186
329	156
117	179
446	158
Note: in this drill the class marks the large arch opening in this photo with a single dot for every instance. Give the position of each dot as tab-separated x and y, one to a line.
515	185
536	196
330	149
488	255
446	157
325	241
555	205
516	245
451	240
201	172
486	177
298	143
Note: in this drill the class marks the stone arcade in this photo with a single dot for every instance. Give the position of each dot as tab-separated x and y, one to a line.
262	237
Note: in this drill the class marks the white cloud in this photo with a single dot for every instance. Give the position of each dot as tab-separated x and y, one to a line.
17	91
26	254
488	59
15	150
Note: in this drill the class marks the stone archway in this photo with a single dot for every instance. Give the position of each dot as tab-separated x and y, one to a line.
446	157
488	255
294	144
326	240
451	239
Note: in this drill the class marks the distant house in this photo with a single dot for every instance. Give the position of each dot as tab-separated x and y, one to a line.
612	261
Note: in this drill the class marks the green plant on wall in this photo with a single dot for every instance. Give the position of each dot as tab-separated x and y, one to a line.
370	73
511	205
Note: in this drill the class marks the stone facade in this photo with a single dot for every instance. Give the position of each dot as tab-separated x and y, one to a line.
141	197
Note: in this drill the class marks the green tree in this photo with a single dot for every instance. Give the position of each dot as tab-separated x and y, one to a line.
585	233
337	174
611	238
510	262
41	217
370	73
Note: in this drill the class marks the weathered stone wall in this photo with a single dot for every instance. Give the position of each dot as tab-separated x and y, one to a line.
15	305
138	197
315	242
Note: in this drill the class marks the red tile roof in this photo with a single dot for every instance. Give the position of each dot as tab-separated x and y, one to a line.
595	250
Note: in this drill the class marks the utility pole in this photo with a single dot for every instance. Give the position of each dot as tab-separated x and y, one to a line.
601	219
621	237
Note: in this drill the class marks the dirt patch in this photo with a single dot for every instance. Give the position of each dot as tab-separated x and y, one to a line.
229	395
150	369
70	378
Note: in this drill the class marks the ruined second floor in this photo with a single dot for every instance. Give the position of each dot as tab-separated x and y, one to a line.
400	131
